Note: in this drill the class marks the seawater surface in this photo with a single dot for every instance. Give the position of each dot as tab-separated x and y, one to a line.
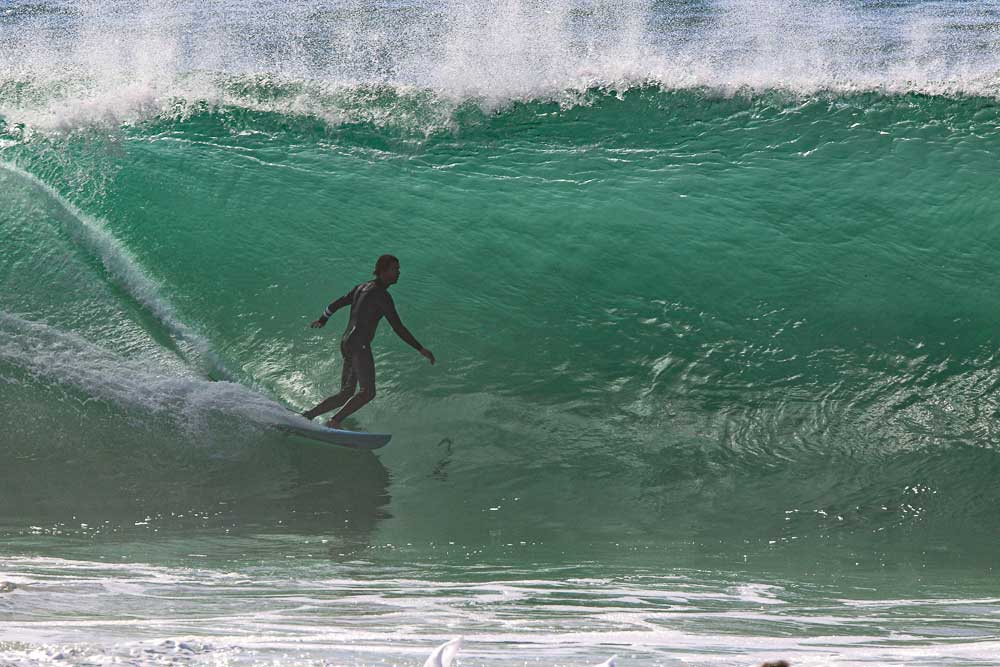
712	287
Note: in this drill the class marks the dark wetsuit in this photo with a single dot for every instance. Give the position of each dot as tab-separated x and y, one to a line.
369	302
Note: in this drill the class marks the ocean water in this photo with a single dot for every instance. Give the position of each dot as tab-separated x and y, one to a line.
712	286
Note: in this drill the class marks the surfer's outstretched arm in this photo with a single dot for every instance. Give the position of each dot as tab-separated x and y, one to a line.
404	333
332	308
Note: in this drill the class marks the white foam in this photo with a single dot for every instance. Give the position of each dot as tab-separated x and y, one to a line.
152	58
67	359
417	609
304	616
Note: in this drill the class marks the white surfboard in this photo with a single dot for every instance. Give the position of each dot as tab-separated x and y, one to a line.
302	428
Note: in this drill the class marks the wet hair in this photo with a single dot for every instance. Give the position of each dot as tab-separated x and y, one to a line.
383	263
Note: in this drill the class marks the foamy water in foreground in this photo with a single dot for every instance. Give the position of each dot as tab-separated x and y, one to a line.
77	613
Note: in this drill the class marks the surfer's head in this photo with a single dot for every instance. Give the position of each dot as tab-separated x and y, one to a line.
387	269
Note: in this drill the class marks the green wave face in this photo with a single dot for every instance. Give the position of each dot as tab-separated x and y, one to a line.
662	312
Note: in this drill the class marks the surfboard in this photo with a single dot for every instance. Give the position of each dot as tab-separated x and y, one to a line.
335	436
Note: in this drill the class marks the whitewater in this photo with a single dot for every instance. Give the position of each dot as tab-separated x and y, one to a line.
711	285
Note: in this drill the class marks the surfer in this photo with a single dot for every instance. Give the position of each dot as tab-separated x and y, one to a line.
369	303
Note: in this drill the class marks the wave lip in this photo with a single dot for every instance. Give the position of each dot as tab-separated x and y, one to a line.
100	66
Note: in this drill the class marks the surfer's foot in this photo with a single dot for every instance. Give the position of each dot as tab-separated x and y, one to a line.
333	423
308	415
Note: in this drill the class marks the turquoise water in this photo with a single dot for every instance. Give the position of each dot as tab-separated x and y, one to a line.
710	286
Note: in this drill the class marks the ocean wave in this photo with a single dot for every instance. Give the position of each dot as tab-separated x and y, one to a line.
92	65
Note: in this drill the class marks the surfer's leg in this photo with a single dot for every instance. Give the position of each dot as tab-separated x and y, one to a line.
331	403
364	370
348	383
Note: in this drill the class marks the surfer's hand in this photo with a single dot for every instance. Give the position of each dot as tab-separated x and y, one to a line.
427	353
318	324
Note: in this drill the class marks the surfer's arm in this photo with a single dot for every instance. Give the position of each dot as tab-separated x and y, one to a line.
334	307
397	326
